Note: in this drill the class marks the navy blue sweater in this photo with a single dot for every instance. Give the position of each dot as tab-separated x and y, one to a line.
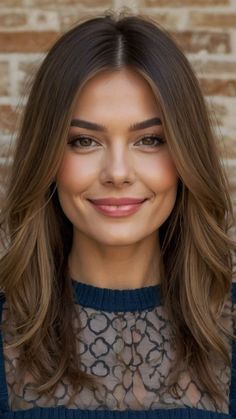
124	339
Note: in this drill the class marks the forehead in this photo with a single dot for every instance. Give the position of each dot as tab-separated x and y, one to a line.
119	92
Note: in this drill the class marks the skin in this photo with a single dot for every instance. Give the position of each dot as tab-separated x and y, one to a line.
107	252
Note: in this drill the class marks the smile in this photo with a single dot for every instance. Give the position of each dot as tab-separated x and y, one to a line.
117	210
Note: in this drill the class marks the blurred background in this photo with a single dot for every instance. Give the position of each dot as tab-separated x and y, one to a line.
205	30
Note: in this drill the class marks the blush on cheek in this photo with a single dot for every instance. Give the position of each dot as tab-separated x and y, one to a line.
74	172
162	174
170	174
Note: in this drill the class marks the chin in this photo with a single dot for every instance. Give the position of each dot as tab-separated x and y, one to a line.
117	241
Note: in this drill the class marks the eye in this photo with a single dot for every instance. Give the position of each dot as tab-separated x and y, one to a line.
152	141
81	141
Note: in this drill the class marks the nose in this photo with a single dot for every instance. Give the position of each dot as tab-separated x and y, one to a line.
117	167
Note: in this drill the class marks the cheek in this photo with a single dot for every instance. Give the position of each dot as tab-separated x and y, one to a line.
161	172
74	171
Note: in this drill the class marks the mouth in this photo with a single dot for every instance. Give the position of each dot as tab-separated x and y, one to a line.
118	210
117	201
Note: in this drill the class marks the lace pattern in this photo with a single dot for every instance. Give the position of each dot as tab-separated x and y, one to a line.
130	353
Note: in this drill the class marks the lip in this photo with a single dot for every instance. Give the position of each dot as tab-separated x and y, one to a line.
117	201
118	211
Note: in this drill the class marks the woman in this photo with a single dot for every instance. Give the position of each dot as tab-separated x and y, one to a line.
117	270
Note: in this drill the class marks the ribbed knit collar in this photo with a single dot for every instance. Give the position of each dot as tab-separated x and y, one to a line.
107	299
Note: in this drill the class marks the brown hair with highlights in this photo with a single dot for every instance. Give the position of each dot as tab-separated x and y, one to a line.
195	245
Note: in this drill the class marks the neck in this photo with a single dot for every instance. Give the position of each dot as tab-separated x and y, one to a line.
130	266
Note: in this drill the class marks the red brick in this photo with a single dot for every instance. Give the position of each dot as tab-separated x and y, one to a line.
218	87
6	148
214	67
29	41
8	119
182	3
212	42
227	146
217	112
9	20
84	3
208	20
14	3
27	70
4	79
68	18
168	19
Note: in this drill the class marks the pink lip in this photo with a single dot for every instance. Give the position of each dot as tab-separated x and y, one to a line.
117	201
121	211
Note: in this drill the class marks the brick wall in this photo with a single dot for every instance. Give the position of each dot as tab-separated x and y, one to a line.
206	29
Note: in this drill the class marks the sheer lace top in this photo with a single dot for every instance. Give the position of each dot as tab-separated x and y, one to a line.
126	342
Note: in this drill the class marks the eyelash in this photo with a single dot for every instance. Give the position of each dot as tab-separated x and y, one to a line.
73	140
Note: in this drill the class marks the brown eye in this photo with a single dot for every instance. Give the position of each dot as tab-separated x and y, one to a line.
81	141
152	141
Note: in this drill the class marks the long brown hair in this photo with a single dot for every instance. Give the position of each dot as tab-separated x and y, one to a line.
195	245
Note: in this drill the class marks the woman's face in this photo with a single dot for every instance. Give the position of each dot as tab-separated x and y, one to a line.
115	161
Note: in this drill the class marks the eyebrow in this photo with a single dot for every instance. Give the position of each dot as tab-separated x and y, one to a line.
97	127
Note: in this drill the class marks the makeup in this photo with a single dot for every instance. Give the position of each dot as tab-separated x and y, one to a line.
117	210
